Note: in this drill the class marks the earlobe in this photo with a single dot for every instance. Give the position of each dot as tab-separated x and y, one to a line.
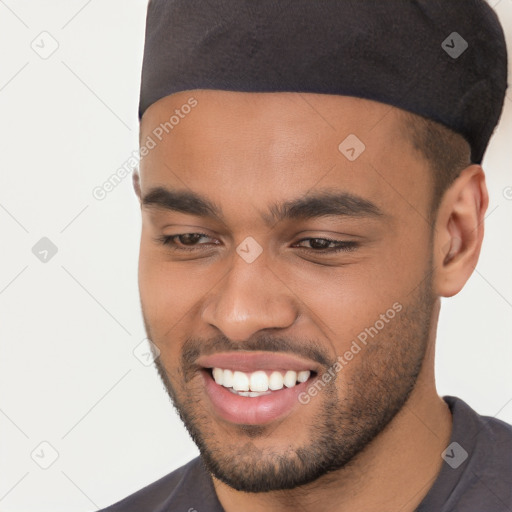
459	231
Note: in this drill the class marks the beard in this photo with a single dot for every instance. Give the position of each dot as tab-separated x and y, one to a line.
347	417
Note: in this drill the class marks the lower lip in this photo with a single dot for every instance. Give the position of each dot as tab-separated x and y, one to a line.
252	410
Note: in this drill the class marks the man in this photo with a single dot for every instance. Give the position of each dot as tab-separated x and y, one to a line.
310	186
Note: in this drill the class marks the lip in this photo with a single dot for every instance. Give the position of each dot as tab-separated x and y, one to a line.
252	361
258	410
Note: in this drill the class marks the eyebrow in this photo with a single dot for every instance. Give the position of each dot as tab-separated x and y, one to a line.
310	206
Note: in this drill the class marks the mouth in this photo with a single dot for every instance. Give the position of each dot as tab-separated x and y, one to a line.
255	388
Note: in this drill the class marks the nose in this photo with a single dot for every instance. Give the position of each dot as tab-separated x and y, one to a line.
251	297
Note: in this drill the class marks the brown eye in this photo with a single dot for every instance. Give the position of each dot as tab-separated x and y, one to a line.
327	245
190	238
184	241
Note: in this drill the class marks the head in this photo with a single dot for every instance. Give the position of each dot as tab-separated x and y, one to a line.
349	260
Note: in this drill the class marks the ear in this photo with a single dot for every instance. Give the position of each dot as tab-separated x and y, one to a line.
459	231
136	182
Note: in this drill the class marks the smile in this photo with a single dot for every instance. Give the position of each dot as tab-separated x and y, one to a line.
255	387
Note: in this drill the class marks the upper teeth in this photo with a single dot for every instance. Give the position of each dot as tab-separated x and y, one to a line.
259	380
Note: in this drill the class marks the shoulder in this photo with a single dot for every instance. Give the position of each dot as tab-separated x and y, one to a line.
486	429
179	489
485	481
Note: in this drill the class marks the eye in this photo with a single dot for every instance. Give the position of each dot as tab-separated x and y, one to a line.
183	241
328	245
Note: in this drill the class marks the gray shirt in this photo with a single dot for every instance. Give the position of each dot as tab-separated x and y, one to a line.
476	475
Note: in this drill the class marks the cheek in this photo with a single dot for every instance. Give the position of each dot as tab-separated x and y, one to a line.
347	300
163	307
162	294
170	292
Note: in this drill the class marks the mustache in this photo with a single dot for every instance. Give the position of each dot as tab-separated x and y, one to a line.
193	348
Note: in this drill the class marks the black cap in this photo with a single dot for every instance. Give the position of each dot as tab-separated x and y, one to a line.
443	59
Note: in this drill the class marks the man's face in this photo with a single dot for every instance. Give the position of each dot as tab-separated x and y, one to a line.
256	284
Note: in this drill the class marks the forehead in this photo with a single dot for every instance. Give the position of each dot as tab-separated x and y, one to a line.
264	145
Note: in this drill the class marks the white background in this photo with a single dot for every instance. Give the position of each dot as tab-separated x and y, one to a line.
68	327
